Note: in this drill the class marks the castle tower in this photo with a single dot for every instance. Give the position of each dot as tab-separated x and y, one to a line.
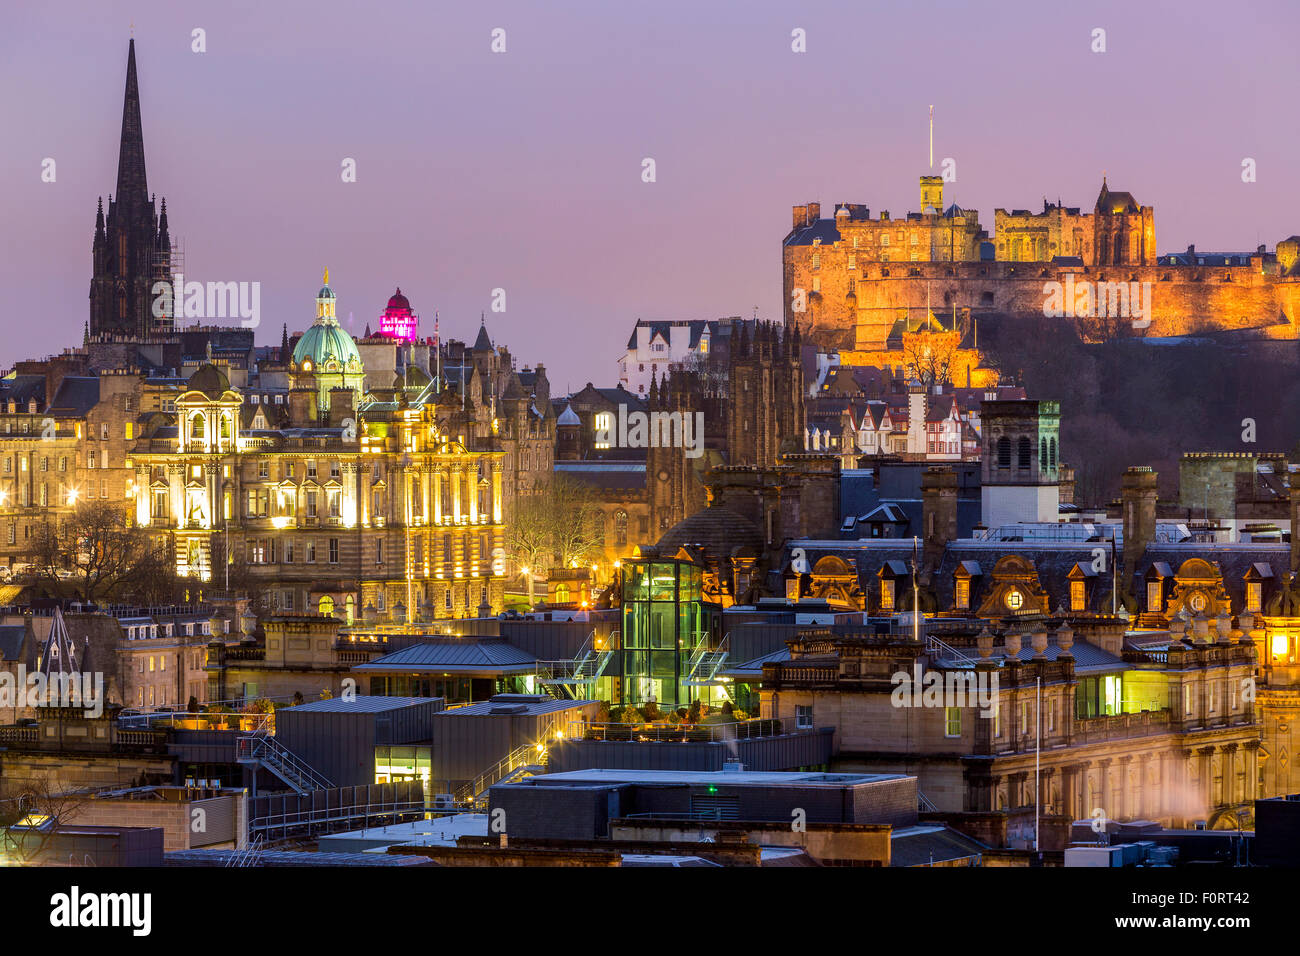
1020	478
132	246
931	194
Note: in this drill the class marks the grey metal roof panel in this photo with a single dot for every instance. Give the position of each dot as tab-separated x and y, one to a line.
527	704
361	704
754	667
456	654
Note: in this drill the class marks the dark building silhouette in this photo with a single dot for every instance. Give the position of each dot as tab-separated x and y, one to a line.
132	248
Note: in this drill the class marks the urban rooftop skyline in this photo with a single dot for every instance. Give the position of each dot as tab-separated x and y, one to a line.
478	171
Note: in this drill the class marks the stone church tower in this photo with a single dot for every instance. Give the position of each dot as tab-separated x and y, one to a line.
132	249
752	398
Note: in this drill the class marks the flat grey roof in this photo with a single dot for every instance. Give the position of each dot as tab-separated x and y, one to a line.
361	704
730	777
516	705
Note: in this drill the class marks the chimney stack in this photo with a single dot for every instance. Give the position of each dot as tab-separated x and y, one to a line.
938	511
1138	502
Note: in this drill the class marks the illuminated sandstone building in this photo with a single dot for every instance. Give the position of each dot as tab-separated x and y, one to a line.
324	504
849	279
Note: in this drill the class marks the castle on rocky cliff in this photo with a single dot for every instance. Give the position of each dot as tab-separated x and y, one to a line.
851	281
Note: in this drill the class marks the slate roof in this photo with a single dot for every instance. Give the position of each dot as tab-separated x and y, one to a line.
11	641
77	395
924	844
612	475
456	656
753	669
823	229
696	326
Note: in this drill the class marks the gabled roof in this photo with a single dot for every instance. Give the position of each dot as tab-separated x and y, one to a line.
460	655
76	396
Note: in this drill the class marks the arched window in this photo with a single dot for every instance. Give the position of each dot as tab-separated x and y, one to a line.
1026	454
1052	450
620	528
351	608
561	593
197	428
327	605
225	427
598	527
1004	452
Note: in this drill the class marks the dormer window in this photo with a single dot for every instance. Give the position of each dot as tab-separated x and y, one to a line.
1254	596
886	595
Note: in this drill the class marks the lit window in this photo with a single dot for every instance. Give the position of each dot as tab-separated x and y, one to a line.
952	721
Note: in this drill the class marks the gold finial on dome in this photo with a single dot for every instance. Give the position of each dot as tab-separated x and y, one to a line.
325	280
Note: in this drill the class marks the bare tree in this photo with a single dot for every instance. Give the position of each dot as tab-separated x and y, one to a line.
557	527
33	817
94	554
929	356
578	519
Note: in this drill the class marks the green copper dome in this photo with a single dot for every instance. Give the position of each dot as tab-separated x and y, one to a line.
329	348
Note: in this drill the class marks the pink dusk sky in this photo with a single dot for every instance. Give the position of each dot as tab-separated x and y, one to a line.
522	170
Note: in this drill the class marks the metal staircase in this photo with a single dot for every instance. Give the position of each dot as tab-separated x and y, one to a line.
941	651
521	762
573	679
702	669
261	750
249	855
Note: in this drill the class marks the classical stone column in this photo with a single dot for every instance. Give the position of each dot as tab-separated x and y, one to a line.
437	495
1107	788
1230	793
176	491
457	472
210	490
471	475
496	491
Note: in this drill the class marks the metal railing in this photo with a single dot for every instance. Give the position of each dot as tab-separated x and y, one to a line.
703	667
938	649
267	751
258	723
680	733
583	669
529	755
249	855
331	819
